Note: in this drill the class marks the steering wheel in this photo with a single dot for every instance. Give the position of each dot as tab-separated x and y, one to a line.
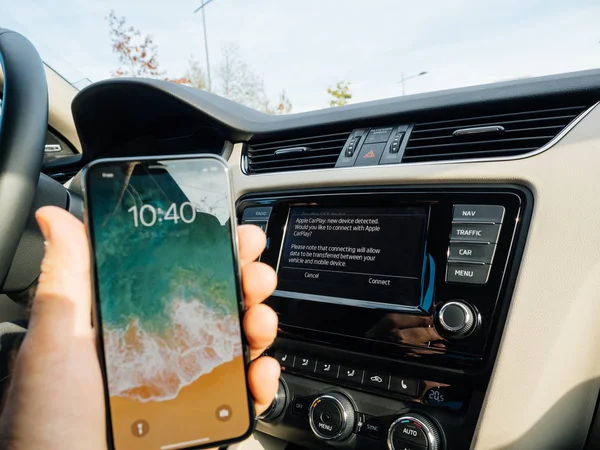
23	128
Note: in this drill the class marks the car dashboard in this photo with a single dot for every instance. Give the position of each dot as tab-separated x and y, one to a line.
439	279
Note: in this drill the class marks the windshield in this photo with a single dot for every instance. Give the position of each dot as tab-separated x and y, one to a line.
284	56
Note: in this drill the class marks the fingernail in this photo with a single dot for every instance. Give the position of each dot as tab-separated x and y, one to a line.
44	226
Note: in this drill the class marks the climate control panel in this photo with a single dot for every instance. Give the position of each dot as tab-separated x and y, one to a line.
316	415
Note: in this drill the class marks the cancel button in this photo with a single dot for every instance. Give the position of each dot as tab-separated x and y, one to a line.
380	281
312	275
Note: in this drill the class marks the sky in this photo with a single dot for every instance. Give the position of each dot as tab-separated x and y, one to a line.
304	47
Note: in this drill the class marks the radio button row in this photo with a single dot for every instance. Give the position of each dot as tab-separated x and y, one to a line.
467	252
467	273
475	232
478	213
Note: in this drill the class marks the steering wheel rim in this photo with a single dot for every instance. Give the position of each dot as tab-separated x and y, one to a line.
23	128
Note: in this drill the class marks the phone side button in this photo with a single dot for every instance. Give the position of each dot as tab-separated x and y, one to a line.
405	386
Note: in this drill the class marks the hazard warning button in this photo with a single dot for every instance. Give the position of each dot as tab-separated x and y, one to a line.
370	154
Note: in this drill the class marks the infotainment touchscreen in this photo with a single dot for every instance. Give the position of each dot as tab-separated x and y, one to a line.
367	257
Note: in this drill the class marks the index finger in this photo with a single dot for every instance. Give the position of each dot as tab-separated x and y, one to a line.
252	242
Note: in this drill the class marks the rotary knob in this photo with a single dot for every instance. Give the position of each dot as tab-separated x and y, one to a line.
457	319
332	417
277	407
413	431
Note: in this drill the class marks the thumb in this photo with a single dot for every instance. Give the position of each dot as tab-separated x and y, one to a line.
62	302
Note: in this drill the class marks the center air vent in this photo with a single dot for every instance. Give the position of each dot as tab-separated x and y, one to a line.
506	133
299	153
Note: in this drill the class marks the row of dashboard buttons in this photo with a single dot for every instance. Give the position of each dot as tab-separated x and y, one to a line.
380	146
354	375
473	239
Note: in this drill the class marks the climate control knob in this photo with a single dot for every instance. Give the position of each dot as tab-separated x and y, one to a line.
457	319
414	431
332	417
277	407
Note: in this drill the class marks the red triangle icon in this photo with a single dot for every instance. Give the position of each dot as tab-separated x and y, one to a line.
370	154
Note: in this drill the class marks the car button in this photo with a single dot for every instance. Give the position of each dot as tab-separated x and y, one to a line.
474	232
404	445
327	369
369	155
467	252
351	374
478	213
410	432
257	213
285	359
378	135
379	380
300	406
404	386
467	273
305	364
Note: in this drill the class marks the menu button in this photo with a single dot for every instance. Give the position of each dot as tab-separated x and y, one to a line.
467	273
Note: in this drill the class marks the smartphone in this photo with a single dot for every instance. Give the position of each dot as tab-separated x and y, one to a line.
168	306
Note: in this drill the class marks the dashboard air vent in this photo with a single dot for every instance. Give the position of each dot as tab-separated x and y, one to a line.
303	153
503	134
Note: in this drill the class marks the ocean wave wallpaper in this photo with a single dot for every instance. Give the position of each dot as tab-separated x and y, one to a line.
168	304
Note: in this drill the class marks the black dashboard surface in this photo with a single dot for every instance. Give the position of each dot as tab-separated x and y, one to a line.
126	116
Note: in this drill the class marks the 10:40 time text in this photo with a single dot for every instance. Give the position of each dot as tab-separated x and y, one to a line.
148	215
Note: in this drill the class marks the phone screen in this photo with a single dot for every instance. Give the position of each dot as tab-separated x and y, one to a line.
167	303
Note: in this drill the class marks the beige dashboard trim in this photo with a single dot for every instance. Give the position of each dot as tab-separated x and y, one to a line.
545	384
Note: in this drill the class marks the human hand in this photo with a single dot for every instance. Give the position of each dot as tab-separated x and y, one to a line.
56	398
